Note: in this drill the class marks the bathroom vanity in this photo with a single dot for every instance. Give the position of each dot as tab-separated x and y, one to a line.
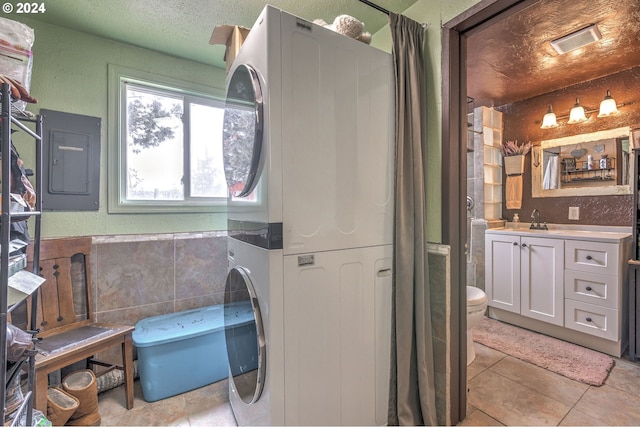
568	282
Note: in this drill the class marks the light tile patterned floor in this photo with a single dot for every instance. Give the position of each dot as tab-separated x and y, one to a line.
502	391
206	406
506	391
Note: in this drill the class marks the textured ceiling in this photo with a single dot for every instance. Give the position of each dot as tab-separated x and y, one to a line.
513	60
182	28
509	61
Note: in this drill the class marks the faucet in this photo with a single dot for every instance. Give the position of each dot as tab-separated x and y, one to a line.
535	217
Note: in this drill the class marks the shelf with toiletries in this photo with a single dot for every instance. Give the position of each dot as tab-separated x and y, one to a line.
603	169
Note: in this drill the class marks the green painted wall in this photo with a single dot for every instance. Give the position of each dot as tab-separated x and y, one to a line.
70	74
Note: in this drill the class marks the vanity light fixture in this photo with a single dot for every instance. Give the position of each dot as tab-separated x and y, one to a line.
549	120
577	114
608	106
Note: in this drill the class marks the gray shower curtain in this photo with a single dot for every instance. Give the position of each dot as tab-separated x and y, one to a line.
412	389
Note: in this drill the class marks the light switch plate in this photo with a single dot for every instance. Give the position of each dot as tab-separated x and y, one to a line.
574	213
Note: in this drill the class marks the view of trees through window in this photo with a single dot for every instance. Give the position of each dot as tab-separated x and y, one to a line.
173	146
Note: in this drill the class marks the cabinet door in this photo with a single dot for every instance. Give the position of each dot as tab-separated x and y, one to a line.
337	342
542	276
502	271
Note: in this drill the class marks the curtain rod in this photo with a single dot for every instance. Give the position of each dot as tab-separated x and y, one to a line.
375	6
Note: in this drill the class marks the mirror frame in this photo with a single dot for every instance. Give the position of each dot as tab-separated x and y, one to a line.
537	171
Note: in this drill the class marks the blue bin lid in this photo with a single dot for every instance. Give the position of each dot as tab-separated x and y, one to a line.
187	324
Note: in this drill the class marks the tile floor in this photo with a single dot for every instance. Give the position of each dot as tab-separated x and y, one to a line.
502	391
507	391
206	406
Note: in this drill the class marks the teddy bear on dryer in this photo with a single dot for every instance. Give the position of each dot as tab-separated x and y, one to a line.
348	26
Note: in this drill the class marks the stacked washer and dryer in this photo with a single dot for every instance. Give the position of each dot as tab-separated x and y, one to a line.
308	137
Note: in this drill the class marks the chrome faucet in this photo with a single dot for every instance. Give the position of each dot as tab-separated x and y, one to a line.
535	217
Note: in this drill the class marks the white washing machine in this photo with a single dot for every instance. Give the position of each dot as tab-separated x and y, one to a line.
256	393
321	331
308	139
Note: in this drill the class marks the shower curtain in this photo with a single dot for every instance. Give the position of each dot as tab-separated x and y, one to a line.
550	181
412	389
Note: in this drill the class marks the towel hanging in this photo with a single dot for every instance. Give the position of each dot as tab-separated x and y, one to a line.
514	191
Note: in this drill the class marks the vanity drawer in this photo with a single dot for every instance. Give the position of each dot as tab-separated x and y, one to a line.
591	319
591	257
592	288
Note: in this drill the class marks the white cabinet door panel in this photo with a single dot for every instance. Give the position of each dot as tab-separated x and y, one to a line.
542	265
502	272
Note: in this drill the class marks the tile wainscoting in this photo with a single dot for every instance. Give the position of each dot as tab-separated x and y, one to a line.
138	276
440	297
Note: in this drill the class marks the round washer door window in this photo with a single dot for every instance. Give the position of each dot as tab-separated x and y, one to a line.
242	131
244	335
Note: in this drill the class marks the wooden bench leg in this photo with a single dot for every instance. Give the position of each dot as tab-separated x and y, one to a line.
127	364
41	385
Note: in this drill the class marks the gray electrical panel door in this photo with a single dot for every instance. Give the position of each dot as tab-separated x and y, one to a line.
71	161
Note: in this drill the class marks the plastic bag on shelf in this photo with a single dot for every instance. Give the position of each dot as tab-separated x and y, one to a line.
38	419
16	57
18	343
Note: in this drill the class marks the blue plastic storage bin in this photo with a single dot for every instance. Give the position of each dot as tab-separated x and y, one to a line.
182	351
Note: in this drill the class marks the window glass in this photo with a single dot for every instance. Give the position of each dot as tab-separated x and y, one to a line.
207	177
154	146
172	147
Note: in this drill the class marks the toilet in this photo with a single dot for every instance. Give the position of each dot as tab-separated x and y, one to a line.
476	306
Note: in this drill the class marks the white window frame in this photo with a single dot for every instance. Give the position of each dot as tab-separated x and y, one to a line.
117	202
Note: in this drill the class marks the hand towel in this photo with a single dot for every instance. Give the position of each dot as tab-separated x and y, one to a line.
514	191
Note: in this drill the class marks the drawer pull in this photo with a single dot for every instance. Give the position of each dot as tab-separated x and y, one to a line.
589	288
589	257
524	245
515	243
588	319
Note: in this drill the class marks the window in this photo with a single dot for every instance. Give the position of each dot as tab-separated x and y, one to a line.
169	146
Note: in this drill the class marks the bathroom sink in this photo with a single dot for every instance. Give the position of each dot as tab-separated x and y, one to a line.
580	232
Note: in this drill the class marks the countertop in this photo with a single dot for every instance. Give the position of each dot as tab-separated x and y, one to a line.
567	231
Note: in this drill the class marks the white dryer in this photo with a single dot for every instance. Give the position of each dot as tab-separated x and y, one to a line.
308	157
308	137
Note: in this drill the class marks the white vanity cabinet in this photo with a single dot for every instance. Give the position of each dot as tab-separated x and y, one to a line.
564	283
524	275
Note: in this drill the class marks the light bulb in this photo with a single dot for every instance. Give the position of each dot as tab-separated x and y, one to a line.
577	114
549	119
608	106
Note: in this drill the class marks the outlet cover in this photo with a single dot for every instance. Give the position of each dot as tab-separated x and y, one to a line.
574	213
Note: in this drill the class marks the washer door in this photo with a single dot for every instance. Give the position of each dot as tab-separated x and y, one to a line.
244	336
242	131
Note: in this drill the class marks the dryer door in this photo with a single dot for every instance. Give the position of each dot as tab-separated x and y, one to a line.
244	336
242	131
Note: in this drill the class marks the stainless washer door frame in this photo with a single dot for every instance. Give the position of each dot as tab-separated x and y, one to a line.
243	130
239	277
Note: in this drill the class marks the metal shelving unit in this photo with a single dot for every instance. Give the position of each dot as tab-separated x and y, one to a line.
7	123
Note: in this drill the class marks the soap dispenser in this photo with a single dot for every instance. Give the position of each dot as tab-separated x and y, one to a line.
516	220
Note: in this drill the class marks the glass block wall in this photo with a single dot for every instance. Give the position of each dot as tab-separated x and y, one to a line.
492	161
484	185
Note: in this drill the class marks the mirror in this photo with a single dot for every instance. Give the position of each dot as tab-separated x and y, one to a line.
591	164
